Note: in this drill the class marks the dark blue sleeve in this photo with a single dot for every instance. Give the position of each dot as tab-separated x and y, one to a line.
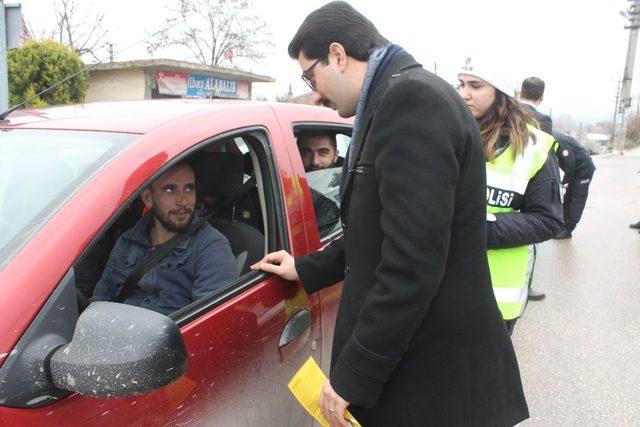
107	289
215	263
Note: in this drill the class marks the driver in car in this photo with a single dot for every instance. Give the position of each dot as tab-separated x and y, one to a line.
319	150
197	266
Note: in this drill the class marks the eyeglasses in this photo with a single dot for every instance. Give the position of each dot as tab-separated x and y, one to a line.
306	75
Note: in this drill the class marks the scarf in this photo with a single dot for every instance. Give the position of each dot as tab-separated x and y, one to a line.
378	62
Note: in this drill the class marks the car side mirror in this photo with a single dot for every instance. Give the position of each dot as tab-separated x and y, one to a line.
119	350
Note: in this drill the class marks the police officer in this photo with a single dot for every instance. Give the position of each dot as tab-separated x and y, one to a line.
531	96
523	185
578	170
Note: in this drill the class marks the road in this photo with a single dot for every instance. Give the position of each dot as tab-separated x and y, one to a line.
579	349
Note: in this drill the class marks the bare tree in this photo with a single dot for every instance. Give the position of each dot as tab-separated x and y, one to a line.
215	31
39	34
80	29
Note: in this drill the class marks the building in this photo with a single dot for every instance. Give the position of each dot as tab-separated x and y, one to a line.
167	78
595	143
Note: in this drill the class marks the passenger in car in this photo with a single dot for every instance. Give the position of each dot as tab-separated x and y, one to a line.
319	150
197	266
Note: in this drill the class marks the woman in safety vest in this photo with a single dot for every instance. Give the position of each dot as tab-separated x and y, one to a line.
523	192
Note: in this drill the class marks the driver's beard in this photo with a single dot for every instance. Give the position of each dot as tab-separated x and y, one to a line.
171	225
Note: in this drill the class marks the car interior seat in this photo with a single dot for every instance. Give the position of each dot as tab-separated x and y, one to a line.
219	177
247	243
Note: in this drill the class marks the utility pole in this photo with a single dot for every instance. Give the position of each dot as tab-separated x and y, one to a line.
4	73
614	124
10	26
633	14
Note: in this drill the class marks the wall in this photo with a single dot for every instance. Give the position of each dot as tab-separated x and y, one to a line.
116	85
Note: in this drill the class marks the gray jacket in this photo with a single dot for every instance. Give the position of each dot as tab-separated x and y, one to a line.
196	267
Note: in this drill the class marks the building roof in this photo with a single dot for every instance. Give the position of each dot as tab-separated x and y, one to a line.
175	65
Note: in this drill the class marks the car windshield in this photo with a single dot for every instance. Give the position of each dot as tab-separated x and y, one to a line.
39	171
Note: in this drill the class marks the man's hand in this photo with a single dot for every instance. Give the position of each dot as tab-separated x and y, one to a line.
333	406
280	263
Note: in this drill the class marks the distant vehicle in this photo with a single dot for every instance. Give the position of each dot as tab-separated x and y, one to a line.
595	143
592	147
70	178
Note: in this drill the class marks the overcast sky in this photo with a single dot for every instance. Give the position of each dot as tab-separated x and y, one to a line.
578	47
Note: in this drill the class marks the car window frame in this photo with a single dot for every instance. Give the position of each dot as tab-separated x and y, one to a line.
275	218
306	125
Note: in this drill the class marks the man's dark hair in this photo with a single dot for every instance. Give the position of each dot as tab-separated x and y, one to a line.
186	163
532	88
316	134
336	22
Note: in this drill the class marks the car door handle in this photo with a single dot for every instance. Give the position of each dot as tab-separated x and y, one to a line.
297	324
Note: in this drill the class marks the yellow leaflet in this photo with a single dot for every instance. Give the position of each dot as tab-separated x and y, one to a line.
306	386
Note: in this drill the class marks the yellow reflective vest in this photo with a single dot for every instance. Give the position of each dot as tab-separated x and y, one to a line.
507	180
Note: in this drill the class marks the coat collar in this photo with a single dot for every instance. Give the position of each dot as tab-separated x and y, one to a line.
528	105
394	69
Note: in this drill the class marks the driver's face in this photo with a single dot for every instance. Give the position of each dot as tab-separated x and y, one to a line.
317	153
172	198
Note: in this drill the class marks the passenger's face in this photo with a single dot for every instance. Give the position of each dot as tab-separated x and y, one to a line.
477	94
317	153
172	198
331	87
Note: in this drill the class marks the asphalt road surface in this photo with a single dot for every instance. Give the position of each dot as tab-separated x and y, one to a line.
579	349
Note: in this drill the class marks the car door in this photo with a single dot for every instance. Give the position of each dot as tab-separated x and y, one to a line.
323	184
243	344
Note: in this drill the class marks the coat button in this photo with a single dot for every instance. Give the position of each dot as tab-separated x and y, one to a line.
346	270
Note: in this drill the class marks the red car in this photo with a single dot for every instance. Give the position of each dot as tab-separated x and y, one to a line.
70	180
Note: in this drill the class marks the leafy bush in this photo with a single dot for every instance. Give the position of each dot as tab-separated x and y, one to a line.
35	66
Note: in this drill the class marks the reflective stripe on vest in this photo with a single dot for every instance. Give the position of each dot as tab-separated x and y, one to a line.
507	180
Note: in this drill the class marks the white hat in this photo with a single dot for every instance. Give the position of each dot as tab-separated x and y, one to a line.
489	74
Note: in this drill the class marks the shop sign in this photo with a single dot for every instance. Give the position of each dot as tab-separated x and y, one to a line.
202	86
171	82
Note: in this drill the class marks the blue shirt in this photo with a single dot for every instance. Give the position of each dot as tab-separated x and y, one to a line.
196	267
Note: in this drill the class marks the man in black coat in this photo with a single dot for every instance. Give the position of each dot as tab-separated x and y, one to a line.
531	95
418	339
578	170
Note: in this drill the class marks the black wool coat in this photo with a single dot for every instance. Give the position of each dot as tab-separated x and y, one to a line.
419	339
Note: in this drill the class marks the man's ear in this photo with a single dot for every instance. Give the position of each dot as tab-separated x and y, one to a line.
339	55
146	198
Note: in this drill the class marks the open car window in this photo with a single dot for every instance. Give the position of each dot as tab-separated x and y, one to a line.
235	192
324	178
